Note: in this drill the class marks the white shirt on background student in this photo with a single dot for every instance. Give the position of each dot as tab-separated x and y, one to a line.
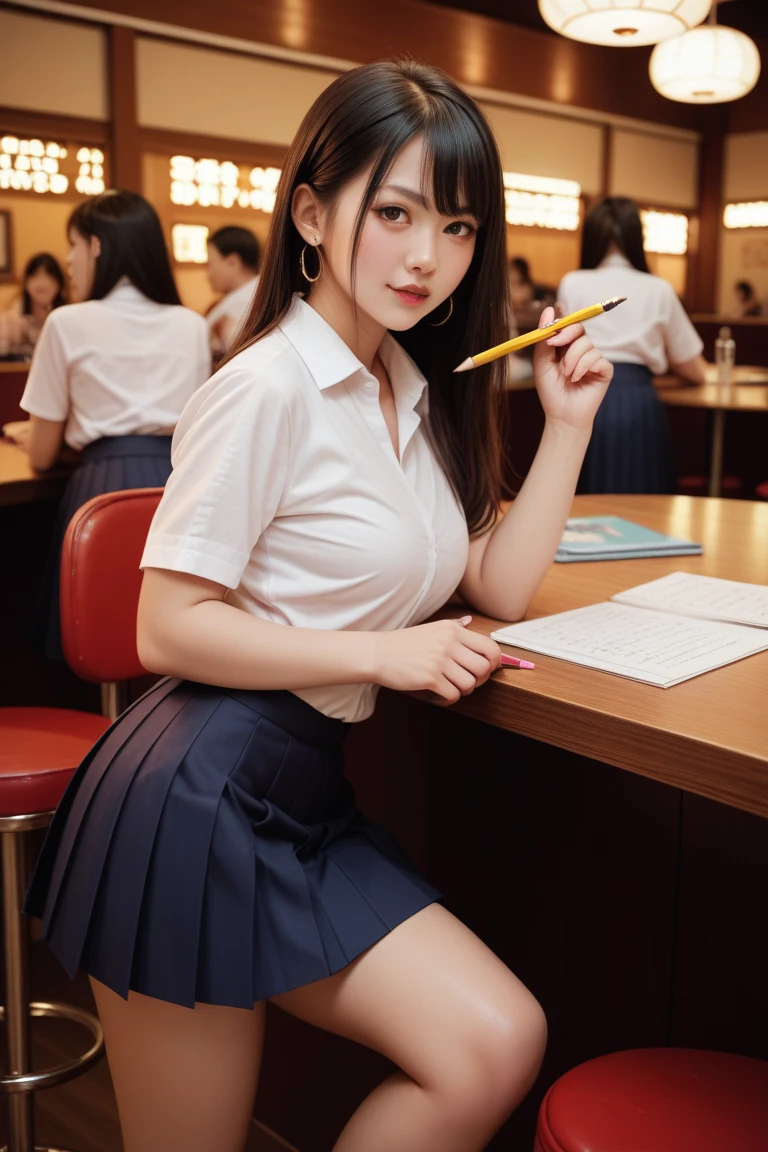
287	490
232	307
119	366
651	328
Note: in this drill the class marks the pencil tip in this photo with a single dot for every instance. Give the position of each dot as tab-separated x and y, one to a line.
465	365
613	303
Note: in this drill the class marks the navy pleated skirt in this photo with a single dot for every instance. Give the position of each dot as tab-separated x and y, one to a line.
109	465
631	448
209	850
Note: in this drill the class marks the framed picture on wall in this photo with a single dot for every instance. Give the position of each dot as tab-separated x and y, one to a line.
5	242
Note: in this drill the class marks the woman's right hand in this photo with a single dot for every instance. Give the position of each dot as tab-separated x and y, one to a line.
443	658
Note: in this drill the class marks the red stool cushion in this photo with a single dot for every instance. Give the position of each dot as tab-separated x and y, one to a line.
762	491
658	1100
40	748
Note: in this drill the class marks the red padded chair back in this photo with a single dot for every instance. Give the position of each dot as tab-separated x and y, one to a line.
101	581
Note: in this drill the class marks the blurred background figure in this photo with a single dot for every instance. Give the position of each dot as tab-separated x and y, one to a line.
746	300
630	450
234	255
43	288
111	374
529	299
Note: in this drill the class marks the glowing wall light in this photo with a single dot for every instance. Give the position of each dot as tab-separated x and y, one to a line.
665	232
542	201
190	243
32	166
221	184
748	215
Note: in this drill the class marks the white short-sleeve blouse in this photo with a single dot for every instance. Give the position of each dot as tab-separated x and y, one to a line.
650	328
286	489
120	366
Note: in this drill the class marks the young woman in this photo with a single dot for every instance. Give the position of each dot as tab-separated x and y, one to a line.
631	448
233	270
111	375
324	502
43	288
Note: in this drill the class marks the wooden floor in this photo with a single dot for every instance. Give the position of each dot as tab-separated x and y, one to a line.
82	1115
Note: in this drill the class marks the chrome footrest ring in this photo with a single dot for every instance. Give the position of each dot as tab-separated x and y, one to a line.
50	1077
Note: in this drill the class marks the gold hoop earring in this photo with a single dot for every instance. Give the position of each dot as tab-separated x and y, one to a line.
305	274
447	318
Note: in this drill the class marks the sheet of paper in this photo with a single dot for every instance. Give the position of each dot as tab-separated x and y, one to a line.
704	597
650	646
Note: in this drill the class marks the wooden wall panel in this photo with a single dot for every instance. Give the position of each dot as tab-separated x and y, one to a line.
53	65
126	144
474	49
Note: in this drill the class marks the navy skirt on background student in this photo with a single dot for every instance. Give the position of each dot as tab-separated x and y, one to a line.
630	450
209	850
109	465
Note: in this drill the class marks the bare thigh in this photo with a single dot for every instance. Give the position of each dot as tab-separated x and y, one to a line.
437	1002
184	1078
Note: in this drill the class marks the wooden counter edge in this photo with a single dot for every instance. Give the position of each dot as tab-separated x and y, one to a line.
732	778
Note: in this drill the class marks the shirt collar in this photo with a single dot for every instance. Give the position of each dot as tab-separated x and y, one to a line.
615	260
330	361
125	289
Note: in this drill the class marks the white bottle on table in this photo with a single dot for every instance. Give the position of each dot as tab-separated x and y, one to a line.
725	356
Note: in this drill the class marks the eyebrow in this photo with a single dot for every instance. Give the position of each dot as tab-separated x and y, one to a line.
418	197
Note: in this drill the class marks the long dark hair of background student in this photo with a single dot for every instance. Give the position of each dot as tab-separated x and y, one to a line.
132	245
614	220
465	416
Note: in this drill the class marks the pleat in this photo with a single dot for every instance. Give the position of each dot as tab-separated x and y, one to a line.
630	450
65	828
207	854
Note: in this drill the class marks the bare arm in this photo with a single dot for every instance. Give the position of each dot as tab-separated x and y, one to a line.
694	369
507	564
186	629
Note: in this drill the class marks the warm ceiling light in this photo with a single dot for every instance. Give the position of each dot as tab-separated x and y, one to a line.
707	65
750	215
623	23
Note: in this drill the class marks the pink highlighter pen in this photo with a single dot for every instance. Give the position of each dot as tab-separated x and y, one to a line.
513	662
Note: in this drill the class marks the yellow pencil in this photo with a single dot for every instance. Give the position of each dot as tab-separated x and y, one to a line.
538	334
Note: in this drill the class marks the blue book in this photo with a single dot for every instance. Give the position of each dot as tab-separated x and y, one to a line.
611	538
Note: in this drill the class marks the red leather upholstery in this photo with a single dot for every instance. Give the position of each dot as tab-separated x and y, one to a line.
658	1100
100	584
40	748
699	485
762	491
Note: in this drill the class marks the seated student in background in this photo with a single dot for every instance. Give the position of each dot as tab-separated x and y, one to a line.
233	263
43	288
631	449
747	302
111	375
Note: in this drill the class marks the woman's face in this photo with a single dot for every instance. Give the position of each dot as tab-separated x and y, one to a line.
81	262
410	258
42	288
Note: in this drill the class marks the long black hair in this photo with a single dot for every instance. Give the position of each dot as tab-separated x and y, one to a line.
614	220
363	120
132	245
49	264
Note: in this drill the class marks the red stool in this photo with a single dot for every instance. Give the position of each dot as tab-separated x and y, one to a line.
699	485
658	1100
40	748
762	491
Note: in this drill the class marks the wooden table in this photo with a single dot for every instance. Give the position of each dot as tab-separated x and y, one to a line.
747	393
708	735
21	484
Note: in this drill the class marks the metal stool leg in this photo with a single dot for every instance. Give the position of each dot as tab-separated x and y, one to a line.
20	1104
20	1082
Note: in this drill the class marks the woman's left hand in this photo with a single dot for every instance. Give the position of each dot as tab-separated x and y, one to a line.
571	375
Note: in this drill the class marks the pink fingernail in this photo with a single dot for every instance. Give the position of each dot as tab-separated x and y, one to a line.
465	620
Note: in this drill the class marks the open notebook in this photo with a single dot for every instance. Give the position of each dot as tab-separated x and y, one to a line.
662	633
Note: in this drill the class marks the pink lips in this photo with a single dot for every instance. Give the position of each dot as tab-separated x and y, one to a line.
410	294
